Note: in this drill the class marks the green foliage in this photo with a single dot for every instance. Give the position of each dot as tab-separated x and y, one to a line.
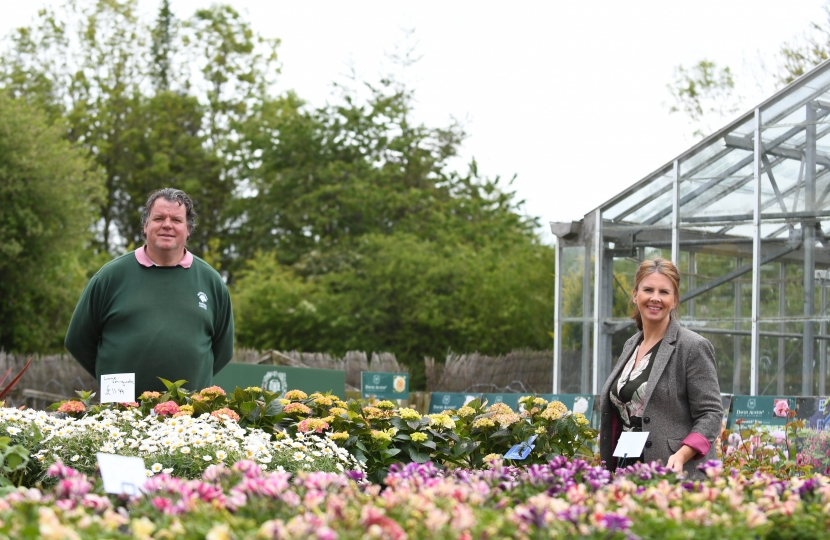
701	92
48	191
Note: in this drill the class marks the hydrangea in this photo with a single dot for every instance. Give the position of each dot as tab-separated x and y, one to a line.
554	411
168	408
385	404
409	414
466	412
312	424
581	419
296	408
380	436
72	407
295	395
483	423
339	436
441	420
418	436
224	411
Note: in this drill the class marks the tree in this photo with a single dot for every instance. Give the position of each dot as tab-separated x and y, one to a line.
48	195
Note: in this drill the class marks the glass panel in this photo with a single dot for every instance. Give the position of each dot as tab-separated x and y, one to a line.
577	282
577	357
629	209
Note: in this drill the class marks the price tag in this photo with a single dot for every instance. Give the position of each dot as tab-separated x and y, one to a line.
631	444
521	450
117	387
122	474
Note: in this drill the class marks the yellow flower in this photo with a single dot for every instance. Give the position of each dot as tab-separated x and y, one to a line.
380	436
295	395
284	401
385	404
540	430
506	419
483	423
409	414
339	435
554	411
325	401
341	404
419	437
337	411
580	419
279	435
492	458
253	389
219	532
441	420
501	408
541	402
142	528
465	412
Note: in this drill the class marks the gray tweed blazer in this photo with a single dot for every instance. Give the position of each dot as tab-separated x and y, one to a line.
682	396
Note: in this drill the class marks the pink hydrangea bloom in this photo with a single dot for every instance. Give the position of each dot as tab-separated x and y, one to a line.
168	408
227	412
72	407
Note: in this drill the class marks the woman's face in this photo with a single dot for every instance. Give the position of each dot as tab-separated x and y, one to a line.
655	298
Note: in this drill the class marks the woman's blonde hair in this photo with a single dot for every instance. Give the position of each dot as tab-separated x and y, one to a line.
655	266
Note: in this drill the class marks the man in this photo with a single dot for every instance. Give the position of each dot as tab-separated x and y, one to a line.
158	311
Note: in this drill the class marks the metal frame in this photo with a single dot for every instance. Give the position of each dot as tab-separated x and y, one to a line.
694	228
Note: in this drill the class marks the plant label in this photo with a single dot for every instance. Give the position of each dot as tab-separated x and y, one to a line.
122	474
631	444
117	387
521	450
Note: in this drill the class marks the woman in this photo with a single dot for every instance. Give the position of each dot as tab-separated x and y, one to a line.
666	380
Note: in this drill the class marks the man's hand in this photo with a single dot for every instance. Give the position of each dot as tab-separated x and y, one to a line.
677	460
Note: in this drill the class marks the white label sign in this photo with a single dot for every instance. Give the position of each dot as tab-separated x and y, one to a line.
117	387
631	444
122	474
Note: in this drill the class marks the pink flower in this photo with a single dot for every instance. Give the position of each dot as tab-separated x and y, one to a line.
72	407
296	408
212	392
312	424
218	413
129	404
168	408
782	407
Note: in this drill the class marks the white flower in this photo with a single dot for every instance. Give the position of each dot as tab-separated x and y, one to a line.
221	455
156	467
150	473
13	430
168	470
75	458
184	450
208	457
264	458
298	456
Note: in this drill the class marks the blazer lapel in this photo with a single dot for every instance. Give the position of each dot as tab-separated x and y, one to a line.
662	360
626	352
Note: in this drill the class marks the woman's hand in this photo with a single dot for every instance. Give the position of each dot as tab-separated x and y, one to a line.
678	459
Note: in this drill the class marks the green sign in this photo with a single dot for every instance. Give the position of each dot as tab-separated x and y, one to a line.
511	400
384	385
577	403
443	401
280	379
759	409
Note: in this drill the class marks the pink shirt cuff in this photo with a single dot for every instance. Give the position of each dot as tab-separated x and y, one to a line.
698	443
144	260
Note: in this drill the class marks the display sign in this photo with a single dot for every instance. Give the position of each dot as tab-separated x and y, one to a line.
383	385
511	400
280	379
122	475
118	388
767	410
444	401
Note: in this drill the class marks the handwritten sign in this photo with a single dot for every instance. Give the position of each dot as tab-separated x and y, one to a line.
117	387
121	474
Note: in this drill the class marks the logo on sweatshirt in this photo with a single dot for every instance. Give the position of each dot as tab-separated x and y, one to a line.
202	300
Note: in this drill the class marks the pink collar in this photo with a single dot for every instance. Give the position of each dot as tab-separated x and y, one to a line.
144	260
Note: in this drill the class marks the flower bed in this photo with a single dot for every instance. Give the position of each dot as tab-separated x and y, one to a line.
564	498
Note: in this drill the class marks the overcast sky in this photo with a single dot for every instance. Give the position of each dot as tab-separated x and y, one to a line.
569	96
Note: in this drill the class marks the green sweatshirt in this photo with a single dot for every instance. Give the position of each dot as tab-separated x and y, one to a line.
159	321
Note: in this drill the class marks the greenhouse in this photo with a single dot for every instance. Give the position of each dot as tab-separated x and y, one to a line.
745	215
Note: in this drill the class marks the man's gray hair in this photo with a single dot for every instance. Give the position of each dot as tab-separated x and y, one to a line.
169	195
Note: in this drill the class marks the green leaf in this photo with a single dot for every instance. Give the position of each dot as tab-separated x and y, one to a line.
416	456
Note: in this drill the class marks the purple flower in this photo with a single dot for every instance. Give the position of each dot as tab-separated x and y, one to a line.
615	522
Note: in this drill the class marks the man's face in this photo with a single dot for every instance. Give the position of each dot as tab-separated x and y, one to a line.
166	229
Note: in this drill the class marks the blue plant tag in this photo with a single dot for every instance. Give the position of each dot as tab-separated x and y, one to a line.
521	450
